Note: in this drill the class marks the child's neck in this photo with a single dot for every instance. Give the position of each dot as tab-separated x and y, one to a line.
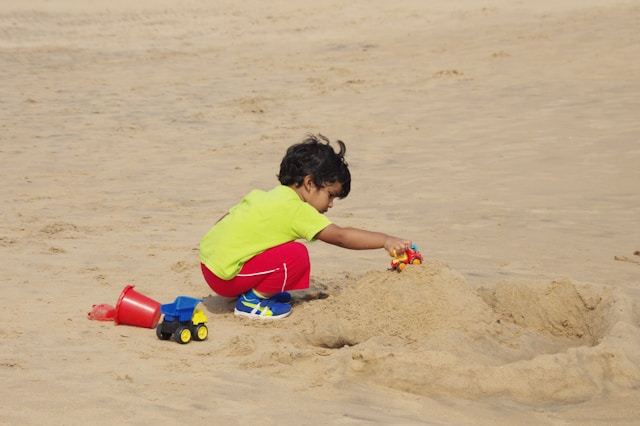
298	190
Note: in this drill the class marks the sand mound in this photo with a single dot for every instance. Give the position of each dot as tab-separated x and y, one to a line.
416	304
426	331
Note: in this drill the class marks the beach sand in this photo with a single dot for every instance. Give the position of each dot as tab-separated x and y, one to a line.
501	137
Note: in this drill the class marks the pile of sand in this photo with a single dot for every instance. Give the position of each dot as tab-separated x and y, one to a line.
426	331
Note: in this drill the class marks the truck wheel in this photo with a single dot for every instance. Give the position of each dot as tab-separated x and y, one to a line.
161	335
183	335
401	266
201	333
416	261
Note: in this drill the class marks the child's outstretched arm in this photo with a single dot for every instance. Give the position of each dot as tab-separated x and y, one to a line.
360	239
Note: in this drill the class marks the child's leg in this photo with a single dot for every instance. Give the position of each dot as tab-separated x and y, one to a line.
281	268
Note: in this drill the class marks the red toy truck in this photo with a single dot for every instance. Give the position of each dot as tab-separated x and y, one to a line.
411	256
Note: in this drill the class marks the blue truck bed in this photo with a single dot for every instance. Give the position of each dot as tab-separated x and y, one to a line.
181	309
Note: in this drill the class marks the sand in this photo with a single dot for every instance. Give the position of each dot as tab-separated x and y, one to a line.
501	137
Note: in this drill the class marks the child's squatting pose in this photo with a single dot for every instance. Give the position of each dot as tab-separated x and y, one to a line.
252	253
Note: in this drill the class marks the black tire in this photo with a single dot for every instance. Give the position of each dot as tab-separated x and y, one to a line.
182	335
161	335
201	333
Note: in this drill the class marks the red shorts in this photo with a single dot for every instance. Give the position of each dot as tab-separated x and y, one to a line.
280	268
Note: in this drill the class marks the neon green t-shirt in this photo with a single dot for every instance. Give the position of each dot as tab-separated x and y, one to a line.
263	219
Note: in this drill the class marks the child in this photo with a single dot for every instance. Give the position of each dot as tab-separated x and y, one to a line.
251	251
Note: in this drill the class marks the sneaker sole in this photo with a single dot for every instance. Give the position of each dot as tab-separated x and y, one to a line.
260	317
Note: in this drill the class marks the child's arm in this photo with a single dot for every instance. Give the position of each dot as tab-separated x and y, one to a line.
359	239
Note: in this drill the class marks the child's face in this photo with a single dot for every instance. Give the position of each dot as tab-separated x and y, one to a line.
322	198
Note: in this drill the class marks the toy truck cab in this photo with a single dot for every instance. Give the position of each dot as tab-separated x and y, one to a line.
411	256
182	321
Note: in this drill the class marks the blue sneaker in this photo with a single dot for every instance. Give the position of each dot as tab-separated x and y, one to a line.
283	297
251	306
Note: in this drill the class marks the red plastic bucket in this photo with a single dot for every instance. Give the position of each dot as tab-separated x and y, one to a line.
136	309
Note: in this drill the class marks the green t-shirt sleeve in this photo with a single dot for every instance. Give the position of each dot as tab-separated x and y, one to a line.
308	221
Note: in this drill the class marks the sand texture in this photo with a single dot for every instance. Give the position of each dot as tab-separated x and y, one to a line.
502	137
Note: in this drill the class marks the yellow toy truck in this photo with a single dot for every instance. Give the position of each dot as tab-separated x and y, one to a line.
182	321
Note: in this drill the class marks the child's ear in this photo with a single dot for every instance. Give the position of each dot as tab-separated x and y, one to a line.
308	182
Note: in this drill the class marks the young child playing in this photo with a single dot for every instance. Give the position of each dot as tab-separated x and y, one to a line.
252	252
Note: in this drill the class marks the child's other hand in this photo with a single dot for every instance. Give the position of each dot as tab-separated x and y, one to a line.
396	246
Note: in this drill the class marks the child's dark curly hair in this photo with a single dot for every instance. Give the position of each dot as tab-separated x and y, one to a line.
316	157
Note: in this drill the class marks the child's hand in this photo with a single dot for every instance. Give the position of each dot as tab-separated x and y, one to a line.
396	246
